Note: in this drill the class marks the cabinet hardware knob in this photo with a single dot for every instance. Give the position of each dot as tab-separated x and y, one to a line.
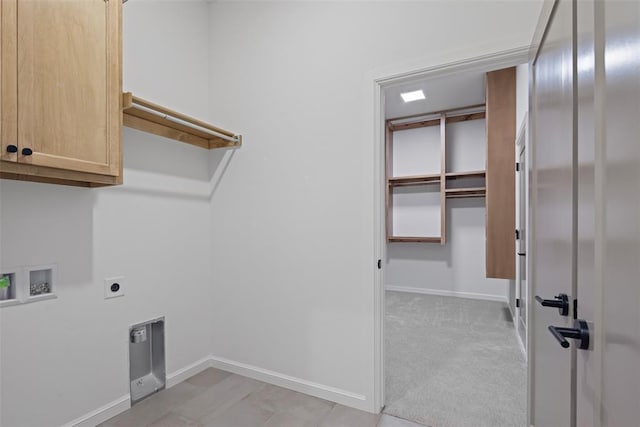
27	151
12	149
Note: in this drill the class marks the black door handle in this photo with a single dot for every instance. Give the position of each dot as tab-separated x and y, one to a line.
561	302
12	149
580	332
27	151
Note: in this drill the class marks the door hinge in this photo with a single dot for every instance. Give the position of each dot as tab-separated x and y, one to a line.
517	302
379	264
517	166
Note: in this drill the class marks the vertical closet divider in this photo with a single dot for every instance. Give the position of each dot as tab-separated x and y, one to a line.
388	174
443	178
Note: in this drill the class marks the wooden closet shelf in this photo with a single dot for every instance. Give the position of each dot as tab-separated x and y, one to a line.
450	112
148	117
413	180
465	192
414	239
469	174
436	122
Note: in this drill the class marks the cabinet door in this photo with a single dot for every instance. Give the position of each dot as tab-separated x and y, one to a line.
69	84
8	82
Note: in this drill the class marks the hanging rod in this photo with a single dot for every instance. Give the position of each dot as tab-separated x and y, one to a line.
149	117
186	123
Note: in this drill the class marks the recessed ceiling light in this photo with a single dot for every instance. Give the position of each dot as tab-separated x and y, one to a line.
416	95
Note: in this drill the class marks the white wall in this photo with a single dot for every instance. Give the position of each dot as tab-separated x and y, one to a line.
416	151
522	93
292	224
458	268
416	209
66	357
466	147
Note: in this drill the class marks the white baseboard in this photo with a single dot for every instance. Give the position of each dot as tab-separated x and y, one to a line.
468	295
123	403
516	330
333	394
188	371
102	414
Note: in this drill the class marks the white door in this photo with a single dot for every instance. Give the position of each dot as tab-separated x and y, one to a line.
552	220
586	215
608	377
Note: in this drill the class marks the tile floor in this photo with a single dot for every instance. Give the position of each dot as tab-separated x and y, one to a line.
215	398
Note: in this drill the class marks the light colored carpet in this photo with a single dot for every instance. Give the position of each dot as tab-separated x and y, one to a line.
453	362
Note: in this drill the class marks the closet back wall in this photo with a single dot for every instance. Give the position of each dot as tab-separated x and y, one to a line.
458	268
66	357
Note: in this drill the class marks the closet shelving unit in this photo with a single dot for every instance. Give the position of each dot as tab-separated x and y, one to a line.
448	183
149	117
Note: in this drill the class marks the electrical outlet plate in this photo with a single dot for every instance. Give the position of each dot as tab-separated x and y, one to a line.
114	287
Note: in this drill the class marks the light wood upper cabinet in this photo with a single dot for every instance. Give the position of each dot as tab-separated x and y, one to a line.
61	91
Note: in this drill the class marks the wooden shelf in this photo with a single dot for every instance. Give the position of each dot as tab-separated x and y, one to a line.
465	192
469	174
453	115
414	239
414	180
436	122
152	118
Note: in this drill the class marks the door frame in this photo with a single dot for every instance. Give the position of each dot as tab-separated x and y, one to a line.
493	61
522	146
546	13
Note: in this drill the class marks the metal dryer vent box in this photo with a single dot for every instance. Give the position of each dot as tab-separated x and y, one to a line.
147	374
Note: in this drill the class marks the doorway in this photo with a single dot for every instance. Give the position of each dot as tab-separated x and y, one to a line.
451	216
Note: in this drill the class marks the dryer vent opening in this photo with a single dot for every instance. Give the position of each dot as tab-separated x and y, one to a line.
146	359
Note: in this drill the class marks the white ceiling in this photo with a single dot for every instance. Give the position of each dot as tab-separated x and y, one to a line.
442	93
